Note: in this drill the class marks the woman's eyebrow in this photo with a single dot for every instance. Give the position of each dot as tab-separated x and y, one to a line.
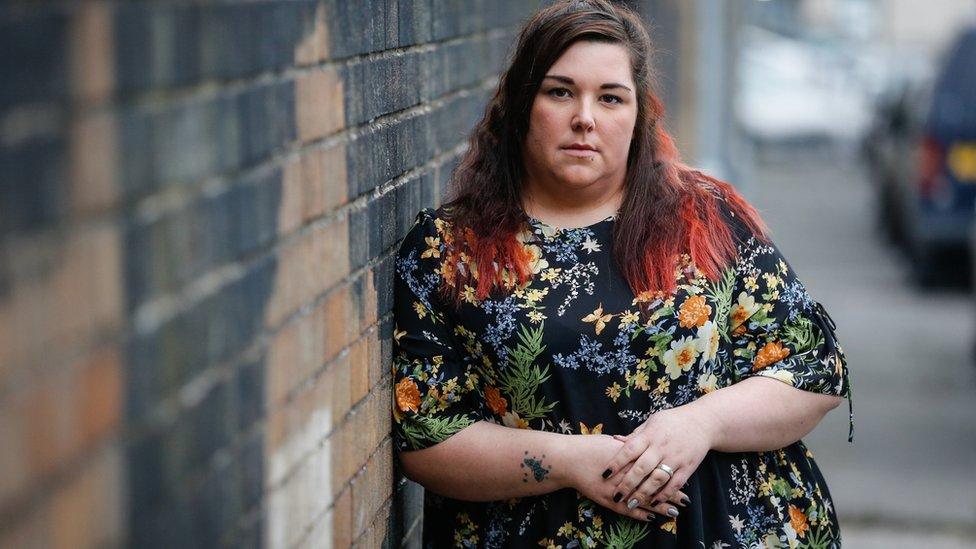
568	80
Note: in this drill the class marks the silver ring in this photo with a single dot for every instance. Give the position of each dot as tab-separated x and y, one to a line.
666	469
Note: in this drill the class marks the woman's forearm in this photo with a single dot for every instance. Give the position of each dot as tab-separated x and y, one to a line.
760	414
487	462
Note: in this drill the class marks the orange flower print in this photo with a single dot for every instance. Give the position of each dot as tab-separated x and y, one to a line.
694	312
798	520
496	401
408	395
771	352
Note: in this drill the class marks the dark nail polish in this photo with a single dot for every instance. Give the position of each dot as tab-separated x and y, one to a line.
617	496
685	500
606	474
655	503
651	517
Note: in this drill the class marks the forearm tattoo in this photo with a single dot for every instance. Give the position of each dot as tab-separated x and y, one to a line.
535	466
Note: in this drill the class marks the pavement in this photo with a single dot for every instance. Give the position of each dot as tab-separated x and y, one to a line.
909	478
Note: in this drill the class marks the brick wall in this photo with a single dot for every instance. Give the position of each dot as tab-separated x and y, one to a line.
199	201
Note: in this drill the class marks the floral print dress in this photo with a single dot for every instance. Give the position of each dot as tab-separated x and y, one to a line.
576	352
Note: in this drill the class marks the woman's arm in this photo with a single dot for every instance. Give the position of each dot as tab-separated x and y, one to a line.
757	414
760	414
487	462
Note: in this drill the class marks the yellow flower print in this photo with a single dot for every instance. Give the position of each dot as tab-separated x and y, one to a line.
432	251
640	381
628	318
670	526
566	530
550	275
680	357
598	317
469	295
421	310
597	522
694	312
750	283
613	391
397	334
536	295
663	384
772	281
781	267
598	430
549	544
536	317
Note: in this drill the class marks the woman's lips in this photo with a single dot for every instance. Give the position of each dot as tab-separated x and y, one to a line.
580	153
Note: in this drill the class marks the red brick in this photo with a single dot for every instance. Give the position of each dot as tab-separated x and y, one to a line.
100	395
342	520
86	511
91	51
93	157
359	369
291	209
314	46
318	104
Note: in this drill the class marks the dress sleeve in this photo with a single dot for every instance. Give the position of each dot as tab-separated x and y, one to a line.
436	393
777	330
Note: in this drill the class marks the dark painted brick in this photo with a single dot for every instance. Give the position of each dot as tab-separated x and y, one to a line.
409	201
359	237
452	123
32	185
382	86
34	62
383	282
379	24
249	386
381	155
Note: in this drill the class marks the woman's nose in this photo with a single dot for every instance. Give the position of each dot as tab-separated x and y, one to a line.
583	120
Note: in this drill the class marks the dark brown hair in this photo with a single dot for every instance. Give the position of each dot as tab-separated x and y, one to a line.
669	208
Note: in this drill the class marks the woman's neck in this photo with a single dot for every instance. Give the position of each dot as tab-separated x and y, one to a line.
566	208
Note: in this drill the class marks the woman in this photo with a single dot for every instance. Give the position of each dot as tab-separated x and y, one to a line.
596	345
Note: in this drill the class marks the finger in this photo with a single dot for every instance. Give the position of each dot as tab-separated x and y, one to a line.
665	508
680	499
642	513
644	479
632	449
622	438
671	490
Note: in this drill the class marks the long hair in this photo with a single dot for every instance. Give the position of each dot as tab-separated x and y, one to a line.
669	208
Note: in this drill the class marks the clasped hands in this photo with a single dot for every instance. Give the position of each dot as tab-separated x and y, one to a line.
633	482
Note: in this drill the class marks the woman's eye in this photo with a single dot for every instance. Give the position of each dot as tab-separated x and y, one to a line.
554	91
615	98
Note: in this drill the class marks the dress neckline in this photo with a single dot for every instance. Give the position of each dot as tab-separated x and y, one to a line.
553	229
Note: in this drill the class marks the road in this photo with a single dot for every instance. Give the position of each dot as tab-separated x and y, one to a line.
909	479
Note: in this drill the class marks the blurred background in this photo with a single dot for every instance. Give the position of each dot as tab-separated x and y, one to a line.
199	201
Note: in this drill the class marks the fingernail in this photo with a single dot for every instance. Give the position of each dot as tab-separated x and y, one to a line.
617	496
632	503
651	516
655	503
606	474
685	500
673	512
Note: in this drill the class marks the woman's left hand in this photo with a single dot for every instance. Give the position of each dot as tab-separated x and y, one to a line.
678	438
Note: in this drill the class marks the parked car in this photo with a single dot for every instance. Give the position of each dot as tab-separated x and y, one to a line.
927	159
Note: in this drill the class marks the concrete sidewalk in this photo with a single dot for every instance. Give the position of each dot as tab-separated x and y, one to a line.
909	480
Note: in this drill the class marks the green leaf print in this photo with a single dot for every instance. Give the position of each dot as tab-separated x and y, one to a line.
801	335
720	293
521	379
417	429
626	533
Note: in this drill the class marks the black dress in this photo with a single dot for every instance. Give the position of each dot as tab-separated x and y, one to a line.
570	354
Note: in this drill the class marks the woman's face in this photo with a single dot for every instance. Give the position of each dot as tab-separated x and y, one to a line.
587	98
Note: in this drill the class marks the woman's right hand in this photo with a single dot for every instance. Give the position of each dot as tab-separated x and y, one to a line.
589	453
